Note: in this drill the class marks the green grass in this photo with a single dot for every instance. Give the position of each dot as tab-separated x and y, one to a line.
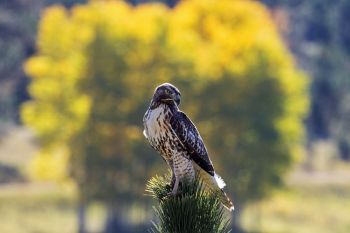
297	209
317	202
43	208
302	209
49	213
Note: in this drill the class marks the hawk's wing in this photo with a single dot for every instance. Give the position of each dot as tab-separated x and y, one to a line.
190	138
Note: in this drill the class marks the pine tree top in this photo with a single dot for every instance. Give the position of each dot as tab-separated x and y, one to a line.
193	210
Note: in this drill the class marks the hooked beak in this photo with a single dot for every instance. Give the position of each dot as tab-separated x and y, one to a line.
166	100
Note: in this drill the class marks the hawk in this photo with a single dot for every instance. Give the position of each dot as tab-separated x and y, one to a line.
173	135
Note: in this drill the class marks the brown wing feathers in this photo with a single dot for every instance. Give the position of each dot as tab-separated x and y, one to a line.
189	136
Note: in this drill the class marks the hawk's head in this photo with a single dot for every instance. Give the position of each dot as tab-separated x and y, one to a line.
166	93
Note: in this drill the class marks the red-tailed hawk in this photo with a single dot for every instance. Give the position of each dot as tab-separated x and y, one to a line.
174	136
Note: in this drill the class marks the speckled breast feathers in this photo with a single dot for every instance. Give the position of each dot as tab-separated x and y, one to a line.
163	139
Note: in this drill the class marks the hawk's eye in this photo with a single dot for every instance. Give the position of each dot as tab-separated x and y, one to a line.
167	92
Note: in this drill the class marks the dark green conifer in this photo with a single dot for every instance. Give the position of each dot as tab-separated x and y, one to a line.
193	210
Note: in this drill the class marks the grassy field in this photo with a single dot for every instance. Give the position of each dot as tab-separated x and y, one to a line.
22	210
297	209
43	208
317	202
302	209
34	207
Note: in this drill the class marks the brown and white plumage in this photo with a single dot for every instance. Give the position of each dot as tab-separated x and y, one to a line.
175	137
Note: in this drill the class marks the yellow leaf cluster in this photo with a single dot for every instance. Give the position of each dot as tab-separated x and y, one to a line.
97	65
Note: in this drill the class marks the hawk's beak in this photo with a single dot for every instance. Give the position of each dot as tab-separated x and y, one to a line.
166	100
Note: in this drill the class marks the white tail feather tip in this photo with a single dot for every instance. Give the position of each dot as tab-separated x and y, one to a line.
219	181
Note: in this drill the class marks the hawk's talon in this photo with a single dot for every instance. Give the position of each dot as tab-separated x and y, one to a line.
172	194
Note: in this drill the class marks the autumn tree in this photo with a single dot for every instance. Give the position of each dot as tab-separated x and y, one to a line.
95	72
251	107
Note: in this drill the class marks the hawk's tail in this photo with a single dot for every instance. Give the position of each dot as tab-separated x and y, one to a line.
216	184
223	196
226	201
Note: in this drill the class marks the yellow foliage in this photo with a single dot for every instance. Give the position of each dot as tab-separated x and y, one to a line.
50	165
97	65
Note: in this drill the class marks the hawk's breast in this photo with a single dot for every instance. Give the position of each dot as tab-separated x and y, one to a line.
163	138
160	134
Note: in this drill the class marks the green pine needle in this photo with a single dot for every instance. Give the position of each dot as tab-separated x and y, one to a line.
193	210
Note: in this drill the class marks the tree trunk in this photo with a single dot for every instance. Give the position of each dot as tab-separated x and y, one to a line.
236	219
82	217
114	221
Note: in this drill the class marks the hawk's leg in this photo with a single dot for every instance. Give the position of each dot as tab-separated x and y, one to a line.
176	186
174	183
173	177
170	186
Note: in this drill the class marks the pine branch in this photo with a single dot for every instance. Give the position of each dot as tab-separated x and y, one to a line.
193	210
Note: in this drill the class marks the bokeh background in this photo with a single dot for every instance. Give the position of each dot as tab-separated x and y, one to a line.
266	82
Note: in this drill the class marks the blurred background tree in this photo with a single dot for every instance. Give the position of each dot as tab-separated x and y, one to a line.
318	35
17	36
18	23
93	76
93	70
319	41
